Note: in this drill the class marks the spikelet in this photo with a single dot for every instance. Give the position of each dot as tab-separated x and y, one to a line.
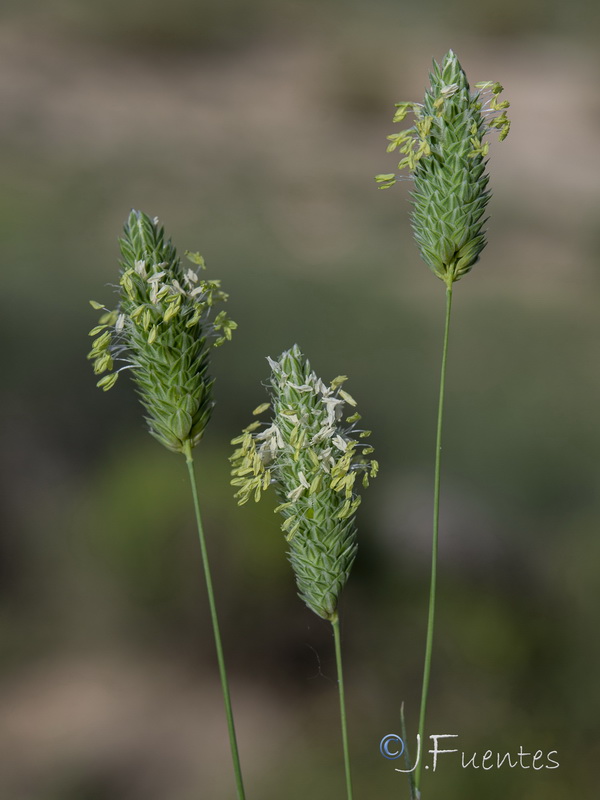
315	459
163	330
446	153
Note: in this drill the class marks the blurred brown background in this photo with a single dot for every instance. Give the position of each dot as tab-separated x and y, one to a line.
253	130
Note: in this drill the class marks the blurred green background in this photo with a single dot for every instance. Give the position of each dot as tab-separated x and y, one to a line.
253	131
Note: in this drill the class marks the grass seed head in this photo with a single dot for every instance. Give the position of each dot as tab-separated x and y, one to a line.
316	457
446	154
163	330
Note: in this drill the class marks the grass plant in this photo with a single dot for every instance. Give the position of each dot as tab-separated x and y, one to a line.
163	330
315	458
445	152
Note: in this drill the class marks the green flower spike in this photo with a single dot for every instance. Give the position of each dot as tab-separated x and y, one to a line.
447	155
314	457
315	460
163	330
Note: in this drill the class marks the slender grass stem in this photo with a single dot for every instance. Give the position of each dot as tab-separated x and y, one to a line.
434	550
338	659
215	624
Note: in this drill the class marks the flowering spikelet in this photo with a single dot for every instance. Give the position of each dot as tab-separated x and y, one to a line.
313	458
162	329
446	152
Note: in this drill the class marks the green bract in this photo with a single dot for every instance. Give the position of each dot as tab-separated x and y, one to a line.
445	151
162	329
313	458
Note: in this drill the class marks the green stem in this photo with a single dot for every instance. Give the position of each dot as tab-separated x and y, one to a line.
215	624
338	660
434	552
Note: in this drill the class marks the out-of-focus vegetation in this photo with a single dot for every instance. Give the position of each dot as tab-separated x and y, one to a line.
253	131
